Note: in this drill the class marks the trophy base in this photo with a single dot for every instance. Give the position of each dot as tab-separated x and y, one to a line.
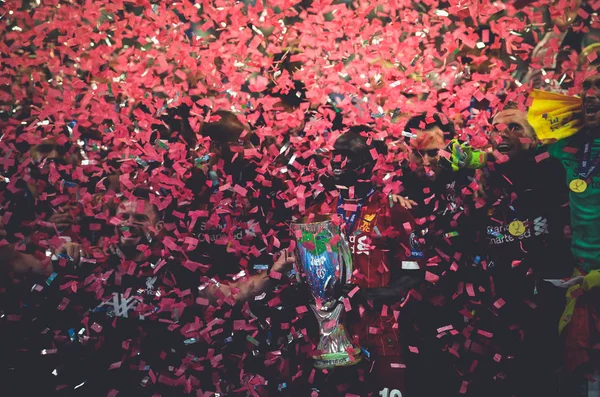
332	360
336	348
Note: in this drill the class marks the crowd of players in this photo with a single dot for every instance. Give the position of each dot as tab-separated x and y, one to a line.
120	304
141	268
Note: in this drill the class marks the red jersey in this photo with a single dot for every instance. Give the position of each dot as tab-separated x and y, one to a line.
379	239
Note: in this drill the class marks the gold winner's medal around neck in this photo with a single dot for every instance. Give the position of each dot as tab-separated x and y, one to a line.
578	185
516	228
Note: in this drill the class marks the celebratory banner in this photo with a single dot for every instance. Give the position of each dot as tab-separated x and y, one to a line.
554	116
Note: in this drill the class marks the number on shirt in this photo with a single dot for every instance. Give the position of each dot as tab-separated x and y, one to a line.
390	393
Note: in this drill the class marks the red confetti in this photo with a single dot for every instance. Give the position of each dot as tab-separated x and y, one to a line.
431	277
542	156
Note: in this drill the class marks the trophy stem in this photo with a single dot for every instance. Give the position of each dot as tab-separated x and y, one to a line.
335	346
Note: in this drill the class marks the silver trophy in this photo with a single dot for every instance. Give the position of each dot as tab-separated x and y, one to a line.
324	264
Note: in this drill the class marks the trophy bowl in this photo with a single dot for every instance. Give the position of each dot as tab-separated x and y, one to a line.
324	265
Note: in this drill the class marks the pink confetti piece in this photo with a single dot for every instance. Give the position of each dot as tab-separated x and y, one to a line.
473	366
354	291
463	387
96	327
115	365
384	311
350	352
301	309
374	330
347	305
445	154
485	36
470	289
499	303
374	154
485	333
350	207
533	305
431	277
202	301
542	156
329	325
334	240
63	304
274	302
240	190
582	13
112	393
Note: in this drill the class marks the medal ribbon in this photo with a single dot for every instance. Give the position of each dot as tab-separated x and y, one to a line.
587	168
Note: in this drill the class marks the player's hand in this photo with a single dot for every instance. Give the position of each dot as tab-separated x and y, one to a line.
73	252
284	262
405	202
63	218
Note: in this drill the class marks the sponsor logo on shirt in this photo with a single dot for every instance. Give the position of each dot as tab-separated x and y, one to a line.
120	306
500	235
212	233
359	245
365	225
540	226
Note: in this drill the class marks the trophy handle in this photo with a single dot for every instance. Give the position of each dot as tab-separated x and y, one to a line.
345	260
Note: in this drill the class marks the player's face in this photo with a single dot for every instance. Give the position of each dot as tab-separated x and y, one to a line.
512	133
425	152
50	150
343	165
590	95
137	223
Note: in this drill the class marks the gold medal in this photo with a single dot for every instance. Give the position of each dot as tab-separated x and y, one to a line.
578	185
516	228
